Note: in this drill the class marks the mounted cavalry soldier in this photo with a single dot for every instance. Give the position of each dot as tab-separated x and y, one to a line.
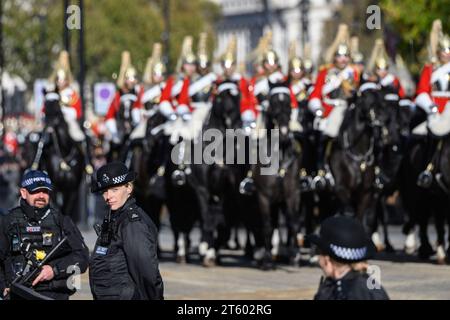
231	77
201	89
433	95
154	83
268	73
177	99
357	56
378	76
154	78
378	73
60	88
272	73
39	247
128	96
336	83
301	87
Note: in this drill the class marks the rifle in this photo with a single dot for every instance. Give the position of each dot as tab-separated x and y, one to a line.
24	277
20	282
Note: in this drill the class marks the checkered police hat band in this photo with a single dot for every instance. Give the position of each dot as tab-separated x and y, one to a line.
352	254
28	182
120	179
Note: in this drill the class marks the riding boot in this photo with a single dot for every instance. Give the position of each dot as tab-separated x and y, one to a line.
319	182
425	178
247	186
305	180
89	169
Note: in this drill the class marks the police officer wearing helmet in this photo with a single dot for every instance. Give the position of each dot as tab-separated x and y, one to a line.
30	232
124	263
343	250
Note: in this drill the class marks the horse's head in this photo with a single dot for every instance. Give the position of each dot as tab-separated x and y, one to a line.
279	111
226	105
53	112
369	104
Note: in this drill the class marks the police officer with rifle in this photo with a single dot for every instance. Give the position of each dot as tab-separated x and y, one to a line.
40	249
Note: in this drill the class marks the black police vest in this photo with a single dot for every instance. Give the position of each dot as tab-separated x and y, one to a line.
108	272
41	236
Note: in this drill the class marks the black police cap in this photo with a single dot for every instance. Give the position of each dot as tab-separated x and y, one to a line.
344	239
110	175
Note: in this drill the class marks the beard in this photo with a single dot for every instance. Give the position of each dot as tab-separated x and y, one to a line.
40	203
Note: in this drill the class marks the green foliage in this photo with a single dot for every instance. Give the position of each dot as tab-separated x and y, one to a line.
33	33
412	20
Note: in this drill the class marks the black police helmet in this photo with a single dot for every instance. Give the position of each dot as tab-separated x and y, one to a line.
344	240
110	175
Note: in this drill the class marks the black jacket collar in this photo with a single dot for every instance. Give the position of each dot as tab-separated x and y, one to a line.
33	213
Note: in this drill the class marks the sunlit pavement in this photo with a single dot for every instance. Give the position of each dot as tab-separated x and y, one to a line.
404	277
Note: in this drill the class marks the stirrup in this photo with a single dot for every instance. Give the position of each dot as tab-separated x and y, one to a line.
329	179
178	178
425	179
319	182
378	183
305	183
247	186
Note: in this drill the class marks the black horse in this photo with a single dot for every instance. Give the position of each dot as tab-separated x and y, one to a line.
226	206
148	158
423	203
279	190
57	153
352	159
391	132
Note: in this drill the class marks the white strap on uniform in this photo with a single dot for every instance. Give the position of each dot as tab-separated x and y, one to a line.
151	94
128	96
368	86
202	83
176	89
440	72
391	97
226	86
278	90
52	96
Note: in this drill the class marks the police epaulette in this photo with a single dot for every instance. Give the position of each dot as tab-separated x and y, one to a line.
134	216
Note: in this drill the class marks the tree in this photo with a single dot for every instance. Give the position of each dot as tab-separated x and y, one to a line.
34	33
353	13
412	20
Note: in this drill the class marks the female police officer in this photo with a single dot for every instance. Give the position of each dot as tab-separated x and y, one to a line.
124	263
343	250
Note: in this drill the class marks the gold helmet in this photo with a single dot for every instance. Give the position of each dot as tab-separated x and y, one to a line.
378	59
155	65
62	69
229	57
340	46
127	71
439	42
269	55
202	51
357	55
295	62
187	56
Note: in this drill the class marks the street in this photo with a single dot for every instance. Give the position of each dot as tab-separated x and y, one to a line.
404	277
